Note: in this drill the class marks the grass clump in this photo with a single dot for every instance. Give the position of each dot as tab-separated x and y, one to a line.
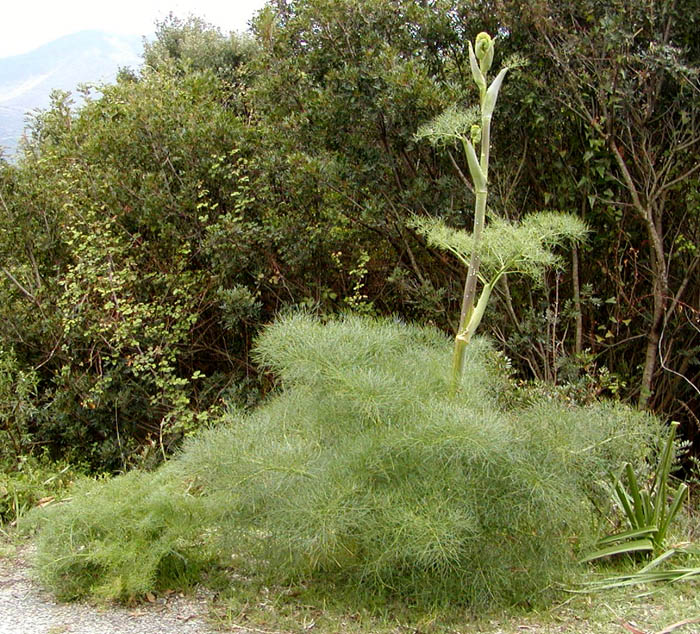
363	474
31	481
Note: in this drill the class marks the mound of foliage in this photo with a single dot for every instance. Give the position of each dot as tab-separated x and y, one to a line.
361	473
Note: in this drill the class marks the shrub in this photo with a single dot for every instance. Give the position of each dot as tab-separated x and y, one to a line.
364	473
17	408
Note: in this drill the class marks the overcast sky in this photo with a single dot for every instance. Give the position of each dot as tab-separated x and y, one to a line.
26	25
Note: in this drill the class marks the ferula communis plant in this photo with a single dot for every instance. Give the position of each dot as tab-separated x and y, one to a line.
525	248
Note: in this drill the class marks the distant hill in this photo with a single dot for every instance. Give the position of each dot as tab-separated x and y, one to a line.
26	81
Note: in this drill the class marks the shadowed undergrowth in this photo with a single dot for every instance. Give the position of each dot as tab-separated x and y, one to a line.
361	473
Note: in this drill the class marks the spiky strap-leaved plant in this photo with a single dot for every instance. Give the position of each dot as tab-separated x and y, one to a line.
649	511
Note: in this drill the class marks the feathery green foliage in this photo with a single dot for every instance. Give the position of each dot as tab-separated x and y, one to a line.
362	473
507	247
500	248
453	124
123	537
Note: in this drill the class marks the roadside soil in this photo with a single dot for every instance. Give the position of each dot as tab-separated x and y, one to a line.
25	608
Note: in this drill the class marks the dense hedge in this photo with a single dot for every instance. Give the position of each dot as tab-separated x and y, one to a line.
149	234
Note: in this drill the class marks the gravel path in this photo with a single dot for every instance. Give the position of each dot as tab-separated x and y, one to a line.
27	609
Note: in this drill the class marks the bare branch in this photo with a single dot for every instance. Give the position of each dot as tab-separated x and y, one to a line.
16	282
464	179
662	363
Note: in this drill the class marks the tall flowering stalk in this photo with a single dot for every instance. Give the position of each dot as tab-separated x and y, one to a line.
470	316
491	252
471	131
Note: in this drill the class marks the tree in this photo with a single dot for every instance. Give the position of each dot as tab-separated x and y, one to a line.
629	72
231	178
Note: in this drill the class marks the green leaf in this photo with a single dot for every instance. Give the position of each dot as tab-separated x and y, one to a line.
658	560
640	545
475	170
627	505
477	75
639	515
672	512
492	93
627	535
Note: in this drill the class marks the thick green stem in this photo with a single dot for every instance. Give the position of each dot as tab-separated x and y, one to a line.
474	262
465	334
485	145
466	329
457	363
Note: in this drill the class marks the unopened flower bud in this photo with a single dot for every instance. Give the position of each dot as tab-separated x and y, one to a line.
484	51
476	134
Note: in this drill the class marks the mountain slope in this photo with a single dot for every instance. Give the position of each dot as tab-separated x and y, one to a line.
26	81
